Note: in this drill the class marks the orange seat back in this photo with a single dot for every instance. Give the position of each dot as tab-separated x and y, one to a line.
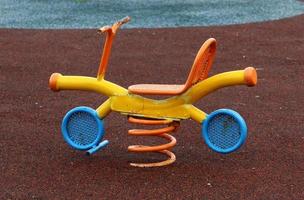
202	63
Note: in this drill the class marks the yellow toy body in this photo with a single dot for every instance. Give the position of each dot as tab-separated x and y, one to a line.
176	108
131	101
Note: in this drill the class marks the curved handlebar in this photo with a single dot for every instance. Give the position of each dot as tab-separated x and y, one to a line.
248	77
110	31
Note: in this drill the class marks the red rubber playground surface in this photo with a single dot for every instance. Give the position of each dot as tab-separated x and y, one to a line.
37	164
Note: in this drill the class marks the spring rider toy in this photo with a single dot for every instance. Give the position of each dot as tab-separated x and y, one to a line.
223	130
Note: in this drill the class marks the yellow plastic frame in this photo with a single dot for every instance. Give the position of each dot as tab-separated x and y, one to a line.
178	107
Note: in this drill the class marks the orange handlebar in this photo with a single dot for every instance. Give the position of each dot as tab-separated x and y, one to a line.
111	31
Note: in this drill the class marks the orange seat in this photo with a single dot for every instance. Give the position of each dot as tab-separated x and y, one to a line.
199	71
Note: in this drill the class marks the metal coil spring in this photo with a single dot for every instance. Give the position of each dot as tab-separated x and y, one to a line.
161	132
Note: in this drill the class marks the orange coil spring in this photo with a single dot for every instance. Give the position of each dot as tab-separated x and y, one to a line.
162	132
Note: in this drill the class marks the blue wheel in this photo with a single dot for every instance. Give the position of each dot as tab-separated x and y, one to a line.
224	131
82	128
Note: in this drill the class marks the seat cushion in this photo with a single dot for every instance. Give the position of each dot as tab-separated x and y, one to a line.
157	89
